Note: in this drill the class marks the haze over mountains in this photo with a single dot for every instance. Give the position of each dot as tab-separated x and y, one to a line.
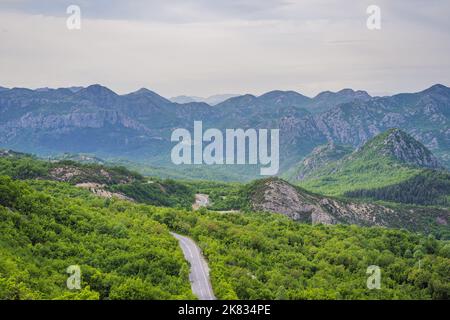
137	126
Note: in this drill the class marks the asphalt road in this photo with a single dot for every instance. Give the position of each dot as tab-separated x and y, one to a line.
199	276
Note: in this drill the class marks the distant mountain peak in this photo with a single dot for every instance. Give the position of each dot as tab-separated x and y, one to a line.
326	100
143	91
44	89
281	92
98	95
184	99
149	94
438	89
244	97
75	89
284	97
346	92
98	89
399	145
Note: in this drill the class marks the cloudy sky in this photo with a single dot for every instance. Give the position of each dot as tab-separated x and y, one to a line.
205	47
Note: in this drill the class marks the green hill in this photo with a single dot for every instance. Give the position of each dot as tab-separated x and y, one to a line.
125	252
45	227
389	160
107	180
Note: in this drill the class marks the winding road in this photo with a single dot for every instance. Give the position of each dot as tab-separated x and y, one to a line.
199	275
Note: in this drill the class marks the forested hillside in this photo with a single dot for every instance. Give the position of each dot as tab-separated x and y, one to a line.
426	188
125	252
107	180
266	256
393	166
122	254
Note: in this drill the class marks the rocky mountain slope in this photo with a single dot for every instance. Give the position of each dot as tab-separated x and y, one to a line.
393	166
327	100
399	146
389	158
278	196
319	158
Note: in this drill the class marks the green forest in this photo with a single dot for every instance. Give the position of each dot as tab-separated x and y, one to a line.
48	226
267	256
427	188
125	251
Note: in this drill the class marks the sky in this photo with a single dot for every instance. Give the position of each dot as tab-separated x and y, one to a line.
206	47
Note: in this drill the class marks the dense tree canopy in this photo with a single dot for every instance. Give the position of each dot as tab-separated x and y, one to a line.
267	256
125	251
122	254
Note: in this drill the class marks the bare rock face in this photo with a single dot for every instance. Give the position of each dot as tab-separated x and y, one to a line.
100	191
75	174
283	198
278	196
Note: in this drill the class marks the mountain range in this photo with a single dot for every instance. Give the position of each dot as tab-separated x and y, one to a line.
265	239
137	126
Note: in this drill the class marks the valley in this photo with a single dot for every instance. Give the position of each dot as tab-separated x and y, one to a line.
225	159
140	231
274	241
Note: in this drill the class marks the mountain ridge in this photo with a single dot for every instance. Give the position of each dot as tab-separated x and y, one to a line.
97	120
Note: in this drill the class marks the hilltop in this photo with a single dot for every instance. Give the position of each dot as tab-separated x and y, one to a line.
390	158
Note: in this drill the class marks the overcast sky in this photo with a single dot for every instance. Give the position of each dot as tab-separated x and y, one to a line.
204	47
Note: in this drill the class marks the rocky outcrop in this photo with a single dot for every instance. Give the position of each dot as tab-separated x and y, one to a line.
404	148
100	191
278	196
86	174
